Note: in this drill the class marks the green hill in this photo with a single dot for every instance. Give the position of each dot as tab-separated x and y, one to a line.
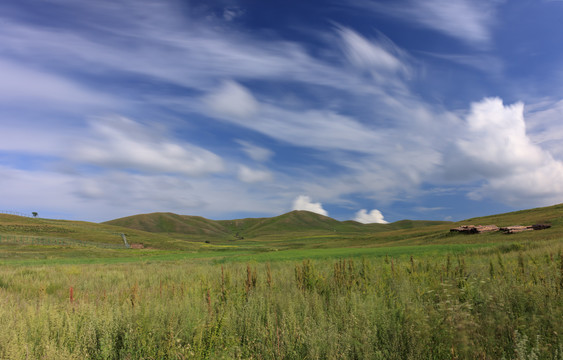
23	230
187	226
292	222
544	215
290	230
293	230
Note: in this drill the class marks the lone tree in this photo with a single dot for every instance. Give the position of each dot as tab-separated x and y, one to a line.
34	214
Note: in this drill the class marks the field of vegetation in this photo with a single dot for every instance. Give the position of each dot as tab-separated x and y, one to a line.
401	292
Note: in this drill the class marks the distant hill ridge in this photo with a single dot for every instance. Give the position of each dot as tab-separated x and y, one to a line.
293	222
294	230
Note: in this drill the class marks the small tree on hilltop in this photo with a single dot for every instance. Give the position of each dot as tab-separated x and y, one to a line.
34	214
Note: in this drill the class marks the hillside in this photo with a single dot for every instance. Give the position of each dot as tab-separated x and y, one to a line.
295	225
293	230
292	222
169	223
24	230
550	215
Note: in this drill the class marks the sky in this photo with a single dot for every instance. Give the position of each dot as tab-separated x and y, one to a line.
365	110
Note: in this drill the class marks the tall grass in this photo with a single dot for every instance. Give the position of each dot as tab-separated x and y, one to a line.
489	304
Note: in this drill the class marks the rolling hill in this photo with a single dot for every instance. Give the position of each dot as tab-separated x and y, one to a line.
293	225
293	230
169	223
303	229
24	230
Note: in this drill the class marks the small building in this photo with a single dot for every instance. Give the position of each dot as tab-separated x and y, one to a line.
472	229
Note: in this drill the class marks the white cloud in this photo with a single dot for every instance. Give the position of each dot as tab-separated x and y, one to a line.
545	127
249	175
33	190
468	20
255	152
380	143
122	143
231	13
26	137
107	195
25	83
312	128
374	216
370	55
496	148
303	202
165	46
381	161
542	185
465	19
494	142
232	99
485	63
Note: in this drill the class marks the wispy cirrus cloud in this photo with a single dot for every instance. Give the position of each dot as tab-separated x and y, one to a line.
483	62
194	55
312	128
249	175
122	143
255	152
342	115
466	20
543	122
381	56
25	83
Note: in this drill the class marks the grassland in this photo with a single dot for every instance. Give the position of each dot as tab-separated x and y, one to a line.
286	288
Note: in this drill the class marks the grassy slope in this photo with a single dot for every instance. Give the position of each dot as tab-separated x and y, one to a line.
294	225
169	223
306	230
551	215
85	231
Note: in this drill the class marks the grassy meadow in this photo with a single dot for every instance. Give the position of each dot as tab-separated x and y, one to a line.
409	292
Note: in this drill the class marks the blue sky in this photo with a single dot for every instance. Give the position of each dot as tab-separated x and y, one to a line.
368	110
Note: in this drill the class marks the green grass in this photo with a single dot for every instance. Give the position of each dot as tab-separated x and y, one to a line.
485	302
45	255
338	253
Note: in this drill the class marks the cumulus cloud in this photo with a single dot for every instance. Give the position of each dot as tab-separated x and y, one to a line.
122	143
248	175
496	148
540	186
303	202
374	216
494	141
232	99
